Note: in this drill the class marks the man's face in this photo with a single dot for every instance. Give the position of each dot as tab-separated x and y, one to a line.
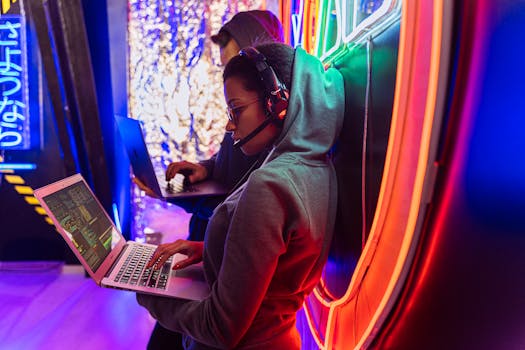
227	52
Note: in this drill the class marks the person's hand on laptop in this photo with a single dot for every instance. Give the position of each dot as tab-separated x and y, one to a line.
193	172
149	192
193	251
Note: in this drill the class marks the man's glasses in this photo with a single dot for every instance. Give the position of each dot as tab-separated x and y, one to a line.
234	111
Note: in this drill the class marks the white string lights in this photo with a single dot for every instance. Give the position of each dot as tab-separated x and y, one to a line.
175	82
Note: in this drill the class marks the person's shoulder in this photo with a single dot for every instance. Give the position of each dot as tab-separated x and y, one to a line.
285	163
290	170
274	173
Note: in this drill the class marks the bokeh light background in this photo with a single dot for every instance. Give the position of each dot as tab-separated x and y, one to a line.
175	82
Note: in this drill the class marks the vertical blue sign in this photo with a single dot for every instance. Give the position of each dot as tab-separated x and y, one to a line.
15	130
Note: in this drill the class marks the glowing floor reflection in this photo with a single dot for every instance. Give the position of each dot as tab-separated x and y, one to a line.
46	305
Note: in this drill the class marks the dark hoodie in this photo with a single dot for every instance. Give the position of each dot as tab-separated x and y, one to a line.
252	28
248	28
229	165
268	242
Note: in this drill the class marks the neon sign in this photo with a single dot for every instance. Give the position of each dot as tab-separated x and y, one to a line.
14	110
297	21
324	28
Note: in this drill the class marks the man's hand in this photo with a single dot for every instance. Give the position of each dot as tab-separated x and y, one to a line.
193	172
190	248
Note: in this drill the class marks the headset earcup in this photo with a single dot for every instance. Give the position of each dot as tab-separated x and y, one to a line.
269	106
277	99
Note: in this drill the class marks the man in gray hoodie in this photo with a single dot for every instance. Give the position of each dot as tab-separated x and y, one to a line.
267	243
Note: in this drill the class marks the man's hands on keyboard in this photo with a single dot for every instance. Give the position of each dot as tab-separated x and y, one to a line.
193	251
193	172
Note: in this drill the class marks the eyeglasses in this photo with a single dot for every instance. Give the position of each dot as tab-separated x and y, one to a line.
232	111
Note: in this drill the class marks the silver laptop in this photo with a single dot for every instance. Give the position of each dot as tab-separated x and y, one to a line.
102	250
131	134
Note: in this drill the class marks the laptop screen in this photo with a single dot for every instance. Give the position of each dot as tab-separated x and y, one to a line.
84	221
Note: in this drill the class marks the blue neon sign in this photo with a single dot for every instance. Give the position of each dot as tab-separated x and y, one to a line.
14	105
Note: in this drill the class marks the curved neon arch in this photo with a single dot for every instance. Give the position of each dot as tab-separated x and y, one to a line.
354	319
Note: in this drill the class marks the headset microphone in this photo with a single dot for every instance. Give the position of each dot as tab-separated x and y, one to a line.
264	124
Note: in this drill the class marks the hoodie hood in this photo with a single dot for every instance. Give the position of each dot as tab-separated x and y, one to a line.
251	28
315	110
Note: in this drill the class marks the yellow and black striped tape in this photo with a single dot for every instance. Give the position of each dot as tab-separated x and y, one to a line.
23	189
6	5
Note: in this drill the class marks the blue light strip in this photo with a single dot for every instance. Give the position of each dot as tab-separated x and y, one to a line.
17	166
116	217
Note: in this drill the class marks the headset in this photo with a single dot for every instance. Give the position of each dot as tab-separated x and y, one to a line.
276	93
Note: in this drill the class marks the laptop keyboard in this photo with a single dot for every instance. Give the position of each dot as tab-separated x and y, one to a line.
133	270
178	184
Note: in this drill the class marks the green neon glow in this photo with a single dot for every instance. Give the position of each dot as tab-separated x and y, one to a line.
338	28
386	14
329	30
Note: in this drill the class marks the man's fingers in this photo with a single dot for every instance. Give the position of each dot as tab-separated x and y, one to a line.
184	167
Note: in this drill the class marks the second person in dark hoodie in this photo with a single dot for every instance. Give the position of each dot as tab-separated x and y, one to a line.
229	165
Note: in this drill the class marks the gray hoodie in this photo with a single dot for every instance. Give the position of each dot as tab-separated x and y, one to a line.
267	243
